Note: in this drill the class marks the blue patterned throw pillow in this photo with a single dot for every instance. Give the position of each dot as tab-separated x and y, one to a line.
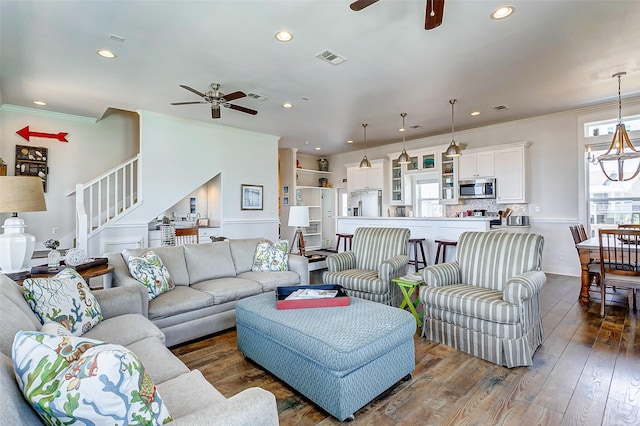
151	272
271	257
65	299
75	380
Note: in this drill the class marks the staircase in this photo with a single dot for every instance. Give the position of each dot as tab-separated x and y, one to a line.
105	199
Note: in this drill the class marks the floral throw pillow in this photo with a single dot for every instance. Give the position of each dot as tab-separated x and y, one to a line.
151	272
65	299
75	380
271	257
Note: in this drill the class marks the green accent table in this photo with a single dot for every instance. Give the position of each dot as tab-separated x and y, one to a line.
408	288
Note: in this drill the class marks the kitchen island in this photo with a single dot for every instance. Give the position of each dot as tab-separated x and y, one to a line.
430	228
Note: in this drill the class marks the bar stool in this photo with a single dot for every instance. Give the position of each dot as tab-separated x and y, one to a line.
347	238
443	244
416	260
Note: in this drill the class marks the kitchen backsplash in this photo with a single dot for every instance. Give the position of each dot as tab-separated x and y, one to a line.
489	205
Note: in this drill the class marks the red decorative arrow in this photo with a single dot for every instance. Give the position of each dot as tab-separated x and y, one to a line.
25	133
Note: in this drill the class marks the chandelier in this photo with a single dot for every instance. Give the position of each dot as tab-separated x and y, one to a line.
616	152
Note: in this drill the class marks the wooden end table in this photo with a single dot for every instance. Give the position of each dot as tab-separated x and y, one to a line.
407	288
95	271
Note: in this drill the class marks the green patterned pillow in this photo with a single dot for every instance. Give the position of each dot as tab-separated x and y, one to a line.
151	272
75	380
270	257
64	298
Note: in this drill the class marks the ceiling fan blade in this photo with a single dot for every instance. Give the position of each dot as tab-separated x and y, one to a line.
437	8
192	90
232	96
215	112
242	109
188	103
361	4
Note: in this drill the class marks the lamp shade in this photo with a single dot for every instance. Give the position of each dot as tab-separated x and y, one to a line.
299	216
21	194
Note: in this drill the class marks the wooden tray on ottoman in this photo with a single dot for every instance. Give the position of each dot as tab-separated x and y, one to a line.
341	299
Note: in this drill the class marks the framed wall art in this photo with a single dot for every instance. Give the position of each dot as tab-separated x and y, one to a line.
251	197
32	161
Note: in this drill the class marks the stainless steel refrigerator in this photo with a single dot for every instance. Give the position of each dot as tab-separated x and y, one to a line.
366	203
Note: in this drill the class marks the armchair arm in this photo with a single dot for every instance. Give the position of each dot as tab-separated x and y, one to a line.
253	406
441	274
122	277
341	261
121	300
393	267
523	286
299	265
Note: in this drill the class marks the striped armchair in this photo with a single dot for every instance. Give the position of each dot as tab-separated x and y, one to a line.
487	302
378	255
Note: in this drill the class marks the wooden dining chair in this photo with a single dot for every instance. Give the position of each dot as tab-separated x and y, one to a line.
186	236
579	235
582	231
620	262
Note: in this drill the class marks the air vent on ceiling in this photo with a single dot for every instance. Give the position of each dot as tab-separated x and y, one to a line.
500	107
415	127
116	38
256	96
331	57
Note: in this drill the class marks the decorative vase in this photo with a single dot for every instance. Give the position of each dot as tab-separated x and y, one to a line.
323	165
53	259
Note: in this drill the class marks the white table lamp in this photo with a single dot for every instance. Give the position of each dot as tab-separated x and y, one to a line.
18	194
298	217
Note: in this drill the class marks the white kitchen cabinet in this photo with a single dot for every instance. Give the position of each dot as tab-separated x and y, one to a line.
479	164
448	180
511	173
371	178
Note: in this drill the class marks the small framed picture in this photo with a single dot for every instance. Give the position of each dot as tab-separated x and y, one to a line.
285	189
251	197
285	201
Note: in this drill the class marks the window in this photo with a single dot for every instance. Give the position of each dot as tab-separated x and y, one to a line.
607	127
428	197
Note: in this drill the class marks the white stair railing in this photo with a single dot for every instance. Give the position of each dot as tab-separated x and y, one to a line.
105	199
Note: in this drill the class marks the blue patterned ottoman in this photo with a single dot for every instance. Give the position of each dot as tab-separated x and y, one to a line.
340	358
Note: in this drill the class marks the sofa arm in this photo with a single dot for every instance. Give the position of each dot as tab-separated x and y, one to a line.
441	274
523	286
300	265
341	261
253	406
393	267
120	301
121	277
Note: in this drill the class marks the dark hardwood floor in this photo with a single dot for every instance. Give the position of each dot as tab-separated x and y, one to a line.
587	372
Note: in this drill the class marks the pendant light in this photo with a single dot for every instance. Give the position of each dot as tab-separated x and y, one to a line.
404	157
365	163
620	140
453	150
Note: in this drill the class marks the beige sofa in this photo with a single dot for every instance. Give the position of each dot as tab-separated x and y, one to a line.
189	397
209	279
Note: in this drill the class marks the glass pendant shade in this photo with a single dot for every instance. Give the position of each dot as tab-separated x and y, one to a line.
453	150
404	157
365	163
615	154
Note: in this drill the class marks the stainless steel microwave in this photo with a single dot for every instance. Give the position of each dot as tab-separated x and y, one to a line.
477	188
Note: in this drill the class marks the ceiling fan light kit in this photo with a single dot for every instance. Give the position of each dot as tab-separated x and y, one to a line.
365	163
404	157
217	99
453	150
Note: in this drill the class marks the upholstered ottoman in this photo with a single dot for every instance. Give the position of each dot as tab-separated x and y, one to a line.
340	357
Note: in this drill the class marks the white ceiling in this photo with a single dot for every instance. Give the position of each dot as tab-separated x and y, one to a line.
549	56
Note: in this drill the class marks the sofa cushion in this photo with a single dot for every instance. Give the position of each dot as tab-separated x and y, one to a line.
271	280
172	258
78	380
179	300
242	252
150	271
226	290
119	330
209	261
271	257
15	314
189	393
15	408
64	298
478	302
159	362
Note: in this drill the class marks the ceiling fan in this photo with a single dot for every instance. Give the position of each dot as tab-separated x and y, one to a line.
216	99
434	11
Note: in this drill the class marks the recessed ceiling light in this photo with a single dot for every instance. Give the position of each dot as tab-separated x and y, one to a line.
284	36
349	141
106	53
474	113
502	12
317	148
306	142
287	105
41	103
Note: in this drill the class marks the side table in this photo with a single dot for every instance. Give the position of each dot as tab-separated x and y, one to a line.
408	287
103	270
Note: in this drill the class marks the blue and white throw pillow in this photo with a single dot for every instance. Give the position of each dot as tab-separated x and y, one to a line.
66	299
271	257
150	271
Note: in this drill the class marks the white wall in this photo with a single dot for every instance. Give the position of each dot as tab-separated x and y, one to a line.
556	174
